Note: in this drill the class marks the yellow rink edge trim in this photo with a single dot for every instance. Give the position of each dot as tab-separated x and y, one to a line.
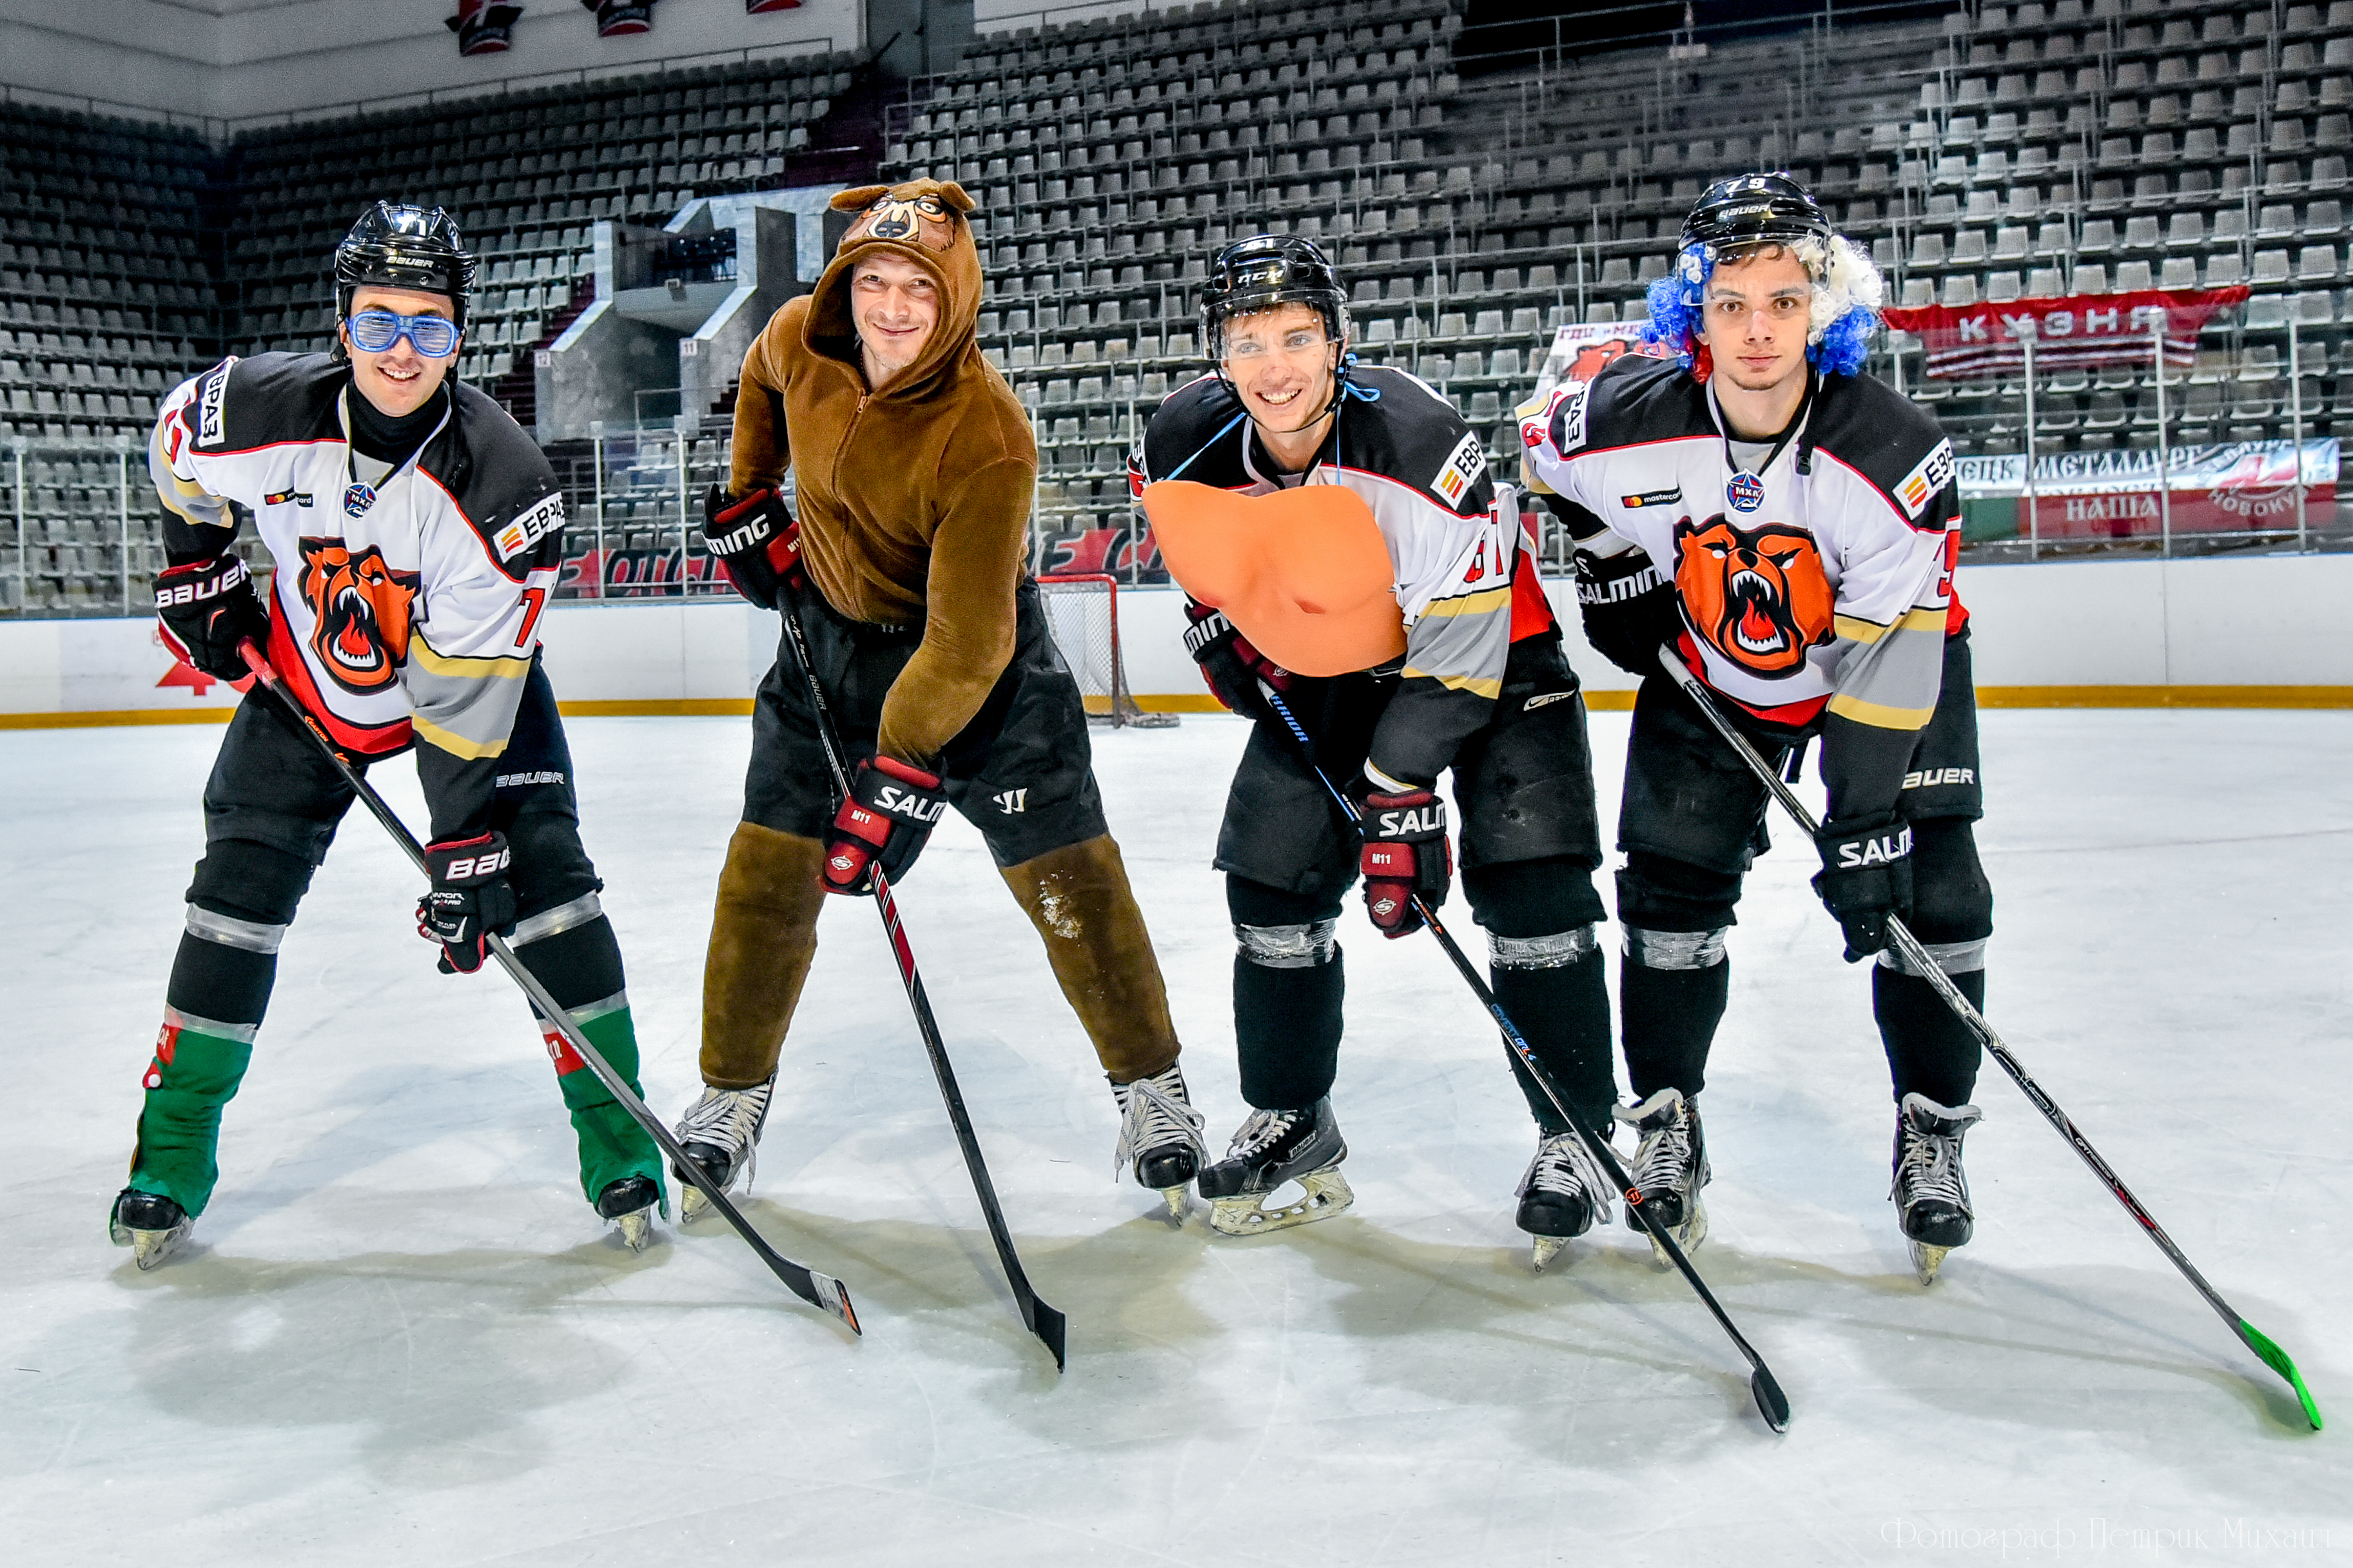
1615	700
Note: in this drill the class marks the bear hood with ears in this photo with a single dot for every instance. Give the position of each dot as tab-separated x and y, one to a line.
924	222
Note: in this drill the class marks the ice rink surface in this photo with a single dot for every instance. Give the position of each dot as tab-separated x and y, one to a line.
402	1337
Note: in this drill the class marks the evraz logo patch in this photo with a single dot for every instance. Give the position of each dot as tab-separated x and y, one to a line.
530	528
1926	482
1463	466
209	407
1744	491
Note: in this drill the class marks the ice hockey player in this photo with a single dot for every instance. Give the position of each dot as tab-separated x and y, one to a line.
1481	688
1790	524
908	569
415	531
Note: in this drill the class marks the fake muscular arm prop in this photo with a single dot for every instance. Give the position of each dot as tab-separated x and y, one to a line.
1302	572
976	564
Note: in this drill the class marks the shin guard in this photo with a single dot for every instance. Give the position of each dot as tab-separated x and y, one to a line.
571	951
1554	990
1930	1051
762	940
1671	988
197	1066
1288	988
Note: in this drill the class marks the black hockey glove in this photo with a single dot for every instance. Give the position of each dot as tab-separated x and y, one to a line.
470	898
756	540
207	609
1629	608
892	809
1232	666
1866	875
1404	853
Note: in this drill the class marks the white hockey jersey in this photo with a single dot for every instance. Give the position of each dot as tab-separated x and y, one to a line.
1822	578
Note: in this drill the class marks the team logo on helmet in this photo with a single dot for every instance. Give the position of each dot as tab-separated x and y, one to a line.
1758	597
361	610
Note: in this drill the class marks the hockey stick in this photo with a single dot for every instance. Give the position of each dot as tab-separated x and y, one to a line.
1916	959
817	1289
1771	1402
1041	1319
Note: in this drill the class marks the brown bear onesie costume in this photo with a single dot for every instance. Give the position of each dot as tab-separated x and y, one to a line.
924	624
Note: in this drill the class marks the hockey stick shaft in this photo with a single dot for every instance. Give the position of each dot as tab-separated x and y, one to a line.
1918	961
1771	1402
817	1289
1041	1319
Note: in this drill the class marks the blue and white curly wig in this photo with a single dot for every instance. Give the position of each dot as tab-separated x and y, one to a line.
1843	314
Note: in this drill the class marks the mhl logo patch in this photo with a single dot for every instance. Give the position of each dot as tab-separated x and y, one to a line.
1744	491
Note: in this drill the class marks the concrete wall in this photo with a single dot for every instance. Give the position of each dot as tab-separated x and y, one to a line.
230	59
2261	632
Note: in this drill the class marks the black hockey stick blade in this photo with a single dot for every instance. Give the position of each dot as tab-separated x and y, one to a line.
1039	1319
820	1290
1917	961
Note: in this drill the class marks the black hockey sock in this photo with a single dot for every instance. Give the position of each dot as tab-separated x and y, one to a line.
1667	1018
1564	1011
1929	1050
577	966
212	980
1287	1031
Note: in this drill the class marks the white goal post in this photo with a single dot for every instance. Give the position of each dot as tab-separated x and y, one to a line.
1082	611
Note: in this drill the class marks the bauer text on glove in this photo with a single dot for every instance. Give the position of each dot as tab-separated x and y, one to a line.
470	900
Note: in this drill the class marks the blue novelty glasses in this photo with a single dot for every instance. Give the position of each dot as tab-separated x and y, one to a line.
374	332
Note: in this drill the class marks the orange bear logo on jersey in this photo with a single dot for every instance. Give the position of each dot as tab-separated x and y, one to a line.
361	609
1758	595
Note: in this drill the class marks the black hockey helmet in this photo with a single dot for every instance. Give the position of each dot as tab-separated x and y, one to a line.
1755	209
1266	270
397	246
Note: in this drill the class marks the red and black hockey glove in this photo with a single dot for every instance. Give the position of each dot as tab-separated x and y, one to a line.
470	898
1404	853
756	540
1230	666
890	811
1866	875
1627	605
207	608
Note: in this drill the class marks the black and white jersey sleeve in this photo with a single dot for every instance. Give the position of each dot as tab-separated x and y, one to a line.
407	609
1404	450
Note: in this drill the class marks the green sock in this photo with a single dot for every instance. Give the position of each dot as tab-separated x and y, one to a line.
198	1064
612	1145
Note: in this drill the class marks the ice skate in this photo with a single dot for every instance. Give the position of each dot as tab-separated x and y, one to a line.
1159	1136
629	1203
1564	1192
1273	1147
1670	1168
152	1225
720	1132
1930	1190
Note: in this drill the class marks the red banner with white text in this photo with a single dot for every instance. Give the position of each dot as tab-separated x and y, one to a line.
2080	329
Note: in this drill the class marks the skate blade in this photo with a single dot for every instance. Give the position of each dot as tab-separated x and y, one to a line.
150	1247
1547	1247
692	1204
1180	1199
1688	1236
1322	1193
637	1227
1927	1260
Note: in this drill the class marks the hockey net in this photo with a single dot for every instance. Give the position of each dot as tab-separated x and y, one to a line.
1083	610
